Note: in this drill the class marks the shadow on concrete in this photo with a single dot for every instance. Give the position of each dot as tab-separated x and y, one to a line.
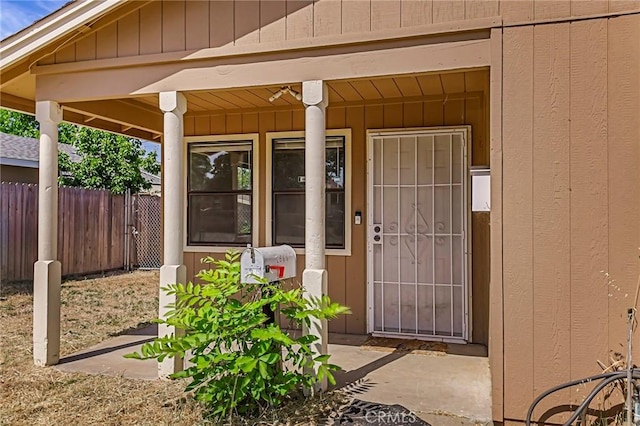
142	329
102	351
344	378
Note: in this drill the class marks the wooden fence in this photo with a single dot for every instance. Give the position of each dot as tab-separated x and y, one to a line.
91	231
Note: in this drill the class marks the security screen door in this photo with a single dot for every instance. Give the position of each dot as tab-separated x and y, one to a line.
417	246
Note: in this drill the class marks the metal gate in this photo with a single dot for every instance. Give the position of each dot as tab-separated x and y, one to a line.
146	231
417	280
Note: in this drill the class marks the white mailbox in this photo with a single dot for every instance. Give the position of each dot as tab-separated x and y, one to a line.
272	263
480	189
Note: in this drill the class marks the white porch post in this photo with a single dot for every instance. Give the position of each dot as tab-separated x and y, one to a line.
173	105
47	269
314	278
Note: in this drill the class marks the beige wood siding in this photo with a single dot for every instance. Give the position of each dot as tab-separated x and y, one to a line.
571	201
347	274
179	25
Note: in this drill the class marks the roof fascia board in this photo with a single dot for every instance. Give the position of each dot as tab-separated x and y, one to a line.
16	162
51	29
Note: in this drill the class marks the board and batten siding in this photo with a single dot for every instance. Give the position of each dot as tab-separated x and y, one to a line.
186	25
347	274
571	202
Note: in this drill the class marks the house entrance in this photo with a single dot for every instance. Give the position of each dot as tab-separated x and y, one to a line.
417	245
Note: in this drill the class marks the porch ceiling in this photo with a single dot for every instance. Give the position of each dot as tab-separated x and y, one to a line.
340	92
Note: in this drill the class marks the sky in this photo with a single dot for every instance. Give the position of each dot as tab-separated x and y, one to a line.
18	14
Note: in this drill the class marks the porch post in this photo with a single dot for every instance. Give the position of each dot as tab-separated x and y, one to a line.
47	269
173	105
314	278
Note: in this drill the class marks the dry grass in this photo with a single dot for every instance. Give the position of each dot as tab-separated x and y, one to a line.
92	310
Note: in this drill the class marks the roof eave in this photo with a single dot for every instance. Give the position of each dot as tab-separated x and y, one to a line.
52	28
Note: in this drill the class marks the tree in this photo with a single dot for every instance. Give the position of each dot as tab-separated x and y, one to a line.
107	161
18	124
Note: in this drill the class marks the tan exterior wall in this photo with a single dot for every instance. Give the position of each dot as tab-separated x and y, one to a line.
170	26
347	274
571	201
18	174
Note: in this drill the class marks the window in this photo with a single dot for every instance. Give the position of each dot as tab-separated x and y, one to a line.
220	193
288	182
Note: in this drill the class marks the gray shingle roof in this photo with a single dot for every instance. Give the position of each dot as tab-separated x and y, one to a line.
27	149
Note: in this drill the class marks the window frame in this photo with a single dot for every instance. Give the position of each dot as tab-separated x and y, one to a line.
254	138
270	137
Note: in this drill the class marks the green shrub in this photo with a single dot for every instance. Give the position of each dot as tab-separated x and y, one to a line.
241	364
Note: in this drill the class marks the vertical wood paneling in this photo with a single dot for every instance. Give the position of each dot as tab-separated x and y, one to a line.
151	28
454	112
551	211
336	267
448	10
475	9
327	17
621	5
189	126
392	116
474	115
298	119
128	34
247	21
589	7
234	123
250	122
517	220
416	12
385	14
412	114
173	25
107	42
283	121
197	24
299	20
548	9
86	48
267	123
623	99
480	276
66	54
201	125
496	288
355	281
221	23
356	16
433	113
517	11
218	124
272	20
589	210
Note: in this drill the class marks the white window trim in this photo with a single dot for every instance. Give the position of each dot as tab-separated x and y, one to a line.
255	190
346	133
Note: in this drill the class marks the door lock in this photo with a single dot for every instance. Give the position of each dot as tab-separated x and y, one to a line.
377	233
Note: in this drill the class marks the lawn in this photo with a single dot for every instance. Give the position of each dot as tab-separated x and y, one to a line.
92	310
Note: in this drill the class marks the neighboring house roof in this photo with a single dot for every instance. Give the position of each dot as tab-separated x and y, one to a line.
25	152
152	179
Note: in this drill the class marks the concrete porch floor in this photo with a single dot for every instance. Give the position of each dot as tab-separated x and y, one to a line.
448	386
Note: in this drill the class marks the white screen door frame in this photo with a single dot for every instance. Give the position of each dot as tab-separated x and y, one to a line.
426	253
